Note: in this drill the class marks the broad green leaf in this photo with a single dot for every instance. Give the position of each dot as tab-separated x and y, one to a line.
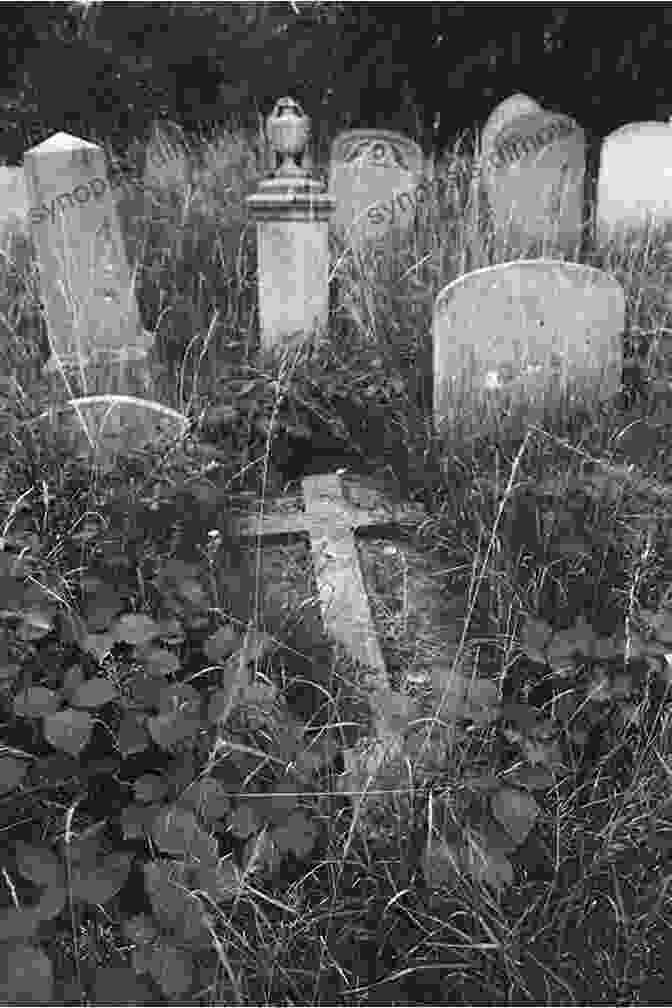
176	832
101	604
99	644
488	867
35	702
150	788
133	737
160	662
84	850
222	644
243	822
465	697
18	922
69	730
172	970
39	865
535	636
173	903
51	902
169	730
207	798
95	693
517	812
533	778
72	680
221	881
137	820
297	835
441	864
140	929
12	772
136	629
36	624
637	441
100	884
26	976
179	697
118	984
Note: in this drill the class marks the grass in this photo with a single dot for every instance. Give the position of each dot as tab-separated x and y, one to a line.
190	805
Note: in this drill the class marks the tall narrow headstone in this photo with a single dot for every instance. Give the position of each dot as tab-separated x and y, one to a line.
13	201
86	283
292	213
635	186
532	170
374	175
527	328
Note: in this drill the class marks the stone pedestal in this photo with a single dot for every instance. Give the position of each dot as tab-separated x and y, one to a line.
292	214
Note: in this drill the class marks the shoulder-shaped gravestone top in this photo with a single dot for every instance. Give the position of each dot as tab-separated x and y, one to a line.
526	328
533	169
635	181
373	178
86	284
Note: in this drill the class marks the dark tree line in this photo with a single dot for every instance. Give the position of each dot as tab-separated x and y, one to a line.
106	70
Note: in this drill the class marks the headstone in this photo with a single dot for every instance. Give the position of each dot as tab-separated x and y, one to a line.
167	163
292	212
331	520
374	177
528	329
634	188
13	201
532	170
85	280
95	333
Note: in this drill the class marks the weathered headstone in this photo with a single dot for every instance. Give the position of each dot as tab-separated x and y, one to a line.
532	170
94	327
635	188
86	283
13	201
331	521
528	328
374	175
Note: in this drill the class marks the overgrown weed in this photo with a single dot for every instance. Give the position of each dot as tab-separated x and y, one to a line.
191	805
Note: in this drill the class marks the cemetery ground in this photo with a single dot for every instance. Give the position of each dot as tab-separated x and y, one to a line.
194	804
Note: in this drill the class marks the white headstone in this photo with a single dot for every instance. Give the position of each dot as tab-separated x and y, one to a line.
13	201
635	184
526	328
85	280
374	175
533	166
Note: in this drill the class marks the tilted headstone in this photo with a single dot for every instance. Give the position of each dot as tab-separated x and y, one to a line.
532	170
526	328
635	186
374	175
85	279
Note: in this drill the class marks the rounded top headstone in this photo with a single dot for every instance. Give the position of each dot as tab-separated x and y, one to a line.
502	115
633	188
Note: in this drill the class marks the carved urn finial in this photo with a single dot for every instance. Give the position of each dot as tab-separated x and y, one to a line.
288	132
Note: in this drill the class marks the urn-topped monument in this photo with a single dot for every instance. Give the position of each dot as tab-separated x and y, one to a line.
292	211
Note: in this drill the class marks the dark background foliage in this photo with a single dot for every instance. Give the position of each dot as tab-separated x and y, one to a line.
106	70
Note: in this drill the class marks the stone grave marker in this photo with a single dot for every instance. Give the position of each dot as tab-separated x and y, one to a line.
93	322
332	518
532	171
526	328
374	175
13	201
634	187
